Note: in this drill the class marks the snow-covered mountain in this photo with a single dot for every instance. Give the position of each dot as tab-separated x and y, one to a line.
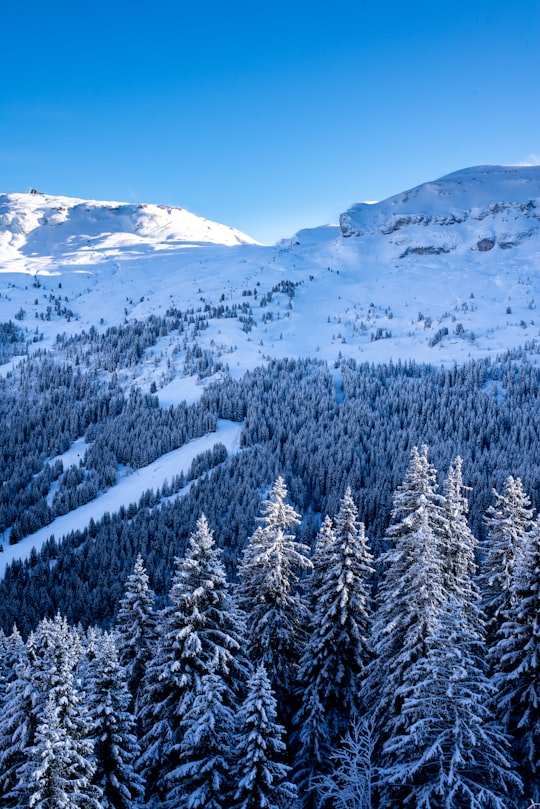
447	270
475	209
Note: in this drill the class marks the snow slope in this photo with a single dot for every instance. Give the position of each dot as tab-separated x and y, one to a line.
128	490
460	253
443	272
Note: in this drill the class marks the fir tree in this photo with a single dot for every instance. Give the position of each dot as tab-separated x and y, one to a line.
409	595
59	770
516	663
200	631
113	726
136	627
262	780
449	752
337	651
275	612
508	522
202	779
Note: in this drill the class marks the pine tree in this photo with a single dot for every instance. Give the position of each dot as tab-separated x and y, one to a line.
449	752
59	770
136	627
200	631
508	522
516	664
58	766
262	780
113	729
17	727
275	613
202	779
409	595
338	650
458	545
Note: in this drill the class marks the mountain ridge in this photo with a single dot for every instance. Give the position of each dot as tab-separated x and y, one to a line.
439	273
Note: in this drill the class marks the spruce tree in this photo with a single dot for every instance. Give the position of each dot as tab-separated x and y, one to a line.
276	615
113	729
203	777
337	650
200	631
515	661
262	780
458	544
449	751
58	772
409	596
58	766
508	522
17	726
136	627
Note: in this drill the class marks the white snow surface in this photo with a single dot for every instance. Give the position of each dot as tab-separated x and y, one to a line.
128	490
445	272
464	249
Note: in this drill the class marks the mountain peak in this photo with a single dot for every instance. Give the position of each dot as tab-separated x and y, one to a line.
465	210
35	223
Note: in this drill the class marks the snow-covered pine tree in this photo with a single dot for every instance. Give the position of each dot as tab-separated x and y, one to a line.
515	660
200	631
409	596
203	777
337	650
58	766
508	522
458	544
58	772
17	726
113	729
449	752
276	614
136	627
11	649
262	780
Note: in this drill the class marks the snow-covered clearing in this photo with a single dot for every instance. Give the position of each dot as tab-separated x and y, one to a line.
128	490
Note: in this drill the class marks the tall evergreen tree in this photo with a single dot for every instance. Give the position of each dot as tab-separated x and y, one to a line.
410	594
136	627
17	727
508	522
113	729
268	592
203	777
516	663
449	752
58	766
262	780
458	544
338	650
200	631
59	770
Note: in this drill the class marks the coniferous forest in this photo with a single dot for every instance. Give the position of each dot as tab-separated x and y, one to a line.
343	613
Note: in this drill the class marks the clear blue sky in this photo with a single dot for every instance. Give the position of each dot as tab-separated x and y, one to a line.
268	117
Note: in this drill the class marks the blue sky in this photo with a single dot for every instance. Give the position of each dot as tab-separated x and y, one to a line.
268	117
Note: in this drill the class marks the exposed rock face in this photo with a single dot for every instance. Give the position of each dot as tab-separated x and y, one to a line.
474	209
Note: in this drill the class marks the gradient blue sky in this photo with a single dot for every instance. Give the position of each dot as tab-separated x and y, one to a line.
268	117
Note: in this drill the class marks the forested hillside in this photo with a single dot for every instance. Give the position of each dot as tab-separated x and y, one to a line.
324	593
